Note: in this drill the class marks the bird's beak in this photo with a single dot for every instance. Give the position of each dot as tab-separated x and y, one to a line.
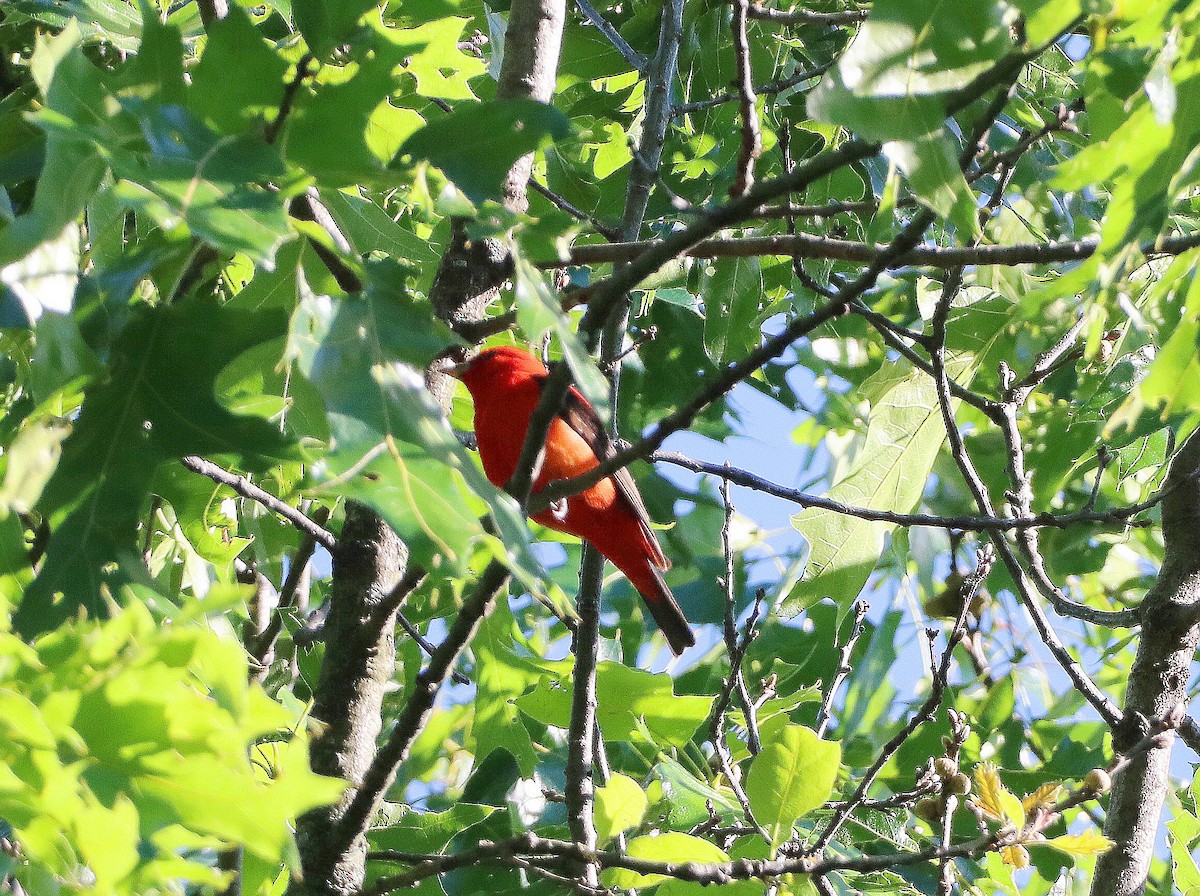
453	368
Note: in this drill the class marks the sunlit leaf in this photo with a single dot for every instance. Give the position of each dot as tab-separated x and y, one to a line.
792	775
1089	843
476	144
620	805
668	847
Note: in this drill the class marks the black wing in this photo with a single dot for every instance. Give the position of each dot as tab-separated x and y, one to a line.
579	414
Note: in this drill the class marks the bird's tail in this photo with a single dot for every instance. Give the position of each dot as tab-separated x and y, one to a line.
663	607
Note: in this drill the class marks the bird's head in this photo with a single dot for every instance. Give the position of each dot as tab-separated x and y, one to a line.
495	367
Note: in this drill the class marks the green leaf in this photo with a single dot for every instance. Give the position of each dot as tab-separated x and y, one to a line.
369	228
691	796
431	54
1183	831
159	403
343	108
73	90
501	675
1081	846
620	805
327	23
428	832
889	82
931	165
215	186
1147	159
538	310
61	358
156	72
1045	19
233	105
45	279
1173	380
31	460
793	774
115	21
167	719
732	292
626	698
668	847
477	144
390	444
904	435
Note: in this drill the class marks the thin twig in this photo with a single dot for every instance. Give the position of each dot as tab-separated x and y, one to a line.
248	489
1044	520
735	682
391	605
265	643
803	245
771	88
895	335
922	715
1103	705
844	668
751	145
632	57
605	230
806	16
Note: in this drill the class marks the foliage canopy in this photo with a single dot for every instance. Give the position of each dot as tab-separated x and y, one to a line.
956	243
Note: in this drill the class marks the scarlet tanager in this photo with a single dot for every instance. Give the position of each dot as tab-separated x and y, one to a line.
506	384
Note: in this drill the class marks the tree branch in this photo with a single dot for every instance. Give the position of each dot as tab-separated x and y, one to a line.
382	770
751	145
632	57
922	715
769	89
963	523
806	17
807	246
248	489
1157	685
1101	702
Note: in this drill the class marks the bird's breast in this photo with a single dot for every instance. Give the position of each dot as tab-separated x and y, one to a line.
500	430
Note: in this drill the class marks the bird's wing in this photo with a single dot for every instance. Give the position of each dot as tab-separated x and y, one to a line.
579	414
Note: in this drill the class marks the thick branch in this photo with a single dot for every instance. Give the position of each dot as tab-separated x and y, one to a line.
355	672
382	771
1157	684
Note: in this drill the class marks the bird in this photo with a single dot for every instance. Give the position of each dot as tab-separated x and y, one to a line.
506	385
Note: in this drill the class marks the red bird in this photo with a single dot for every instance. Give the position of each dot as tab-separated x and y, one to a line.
506	384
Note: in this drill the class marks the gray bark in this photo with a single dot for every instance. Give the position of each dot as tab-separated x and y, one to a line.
1157	684
370	558
360	657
